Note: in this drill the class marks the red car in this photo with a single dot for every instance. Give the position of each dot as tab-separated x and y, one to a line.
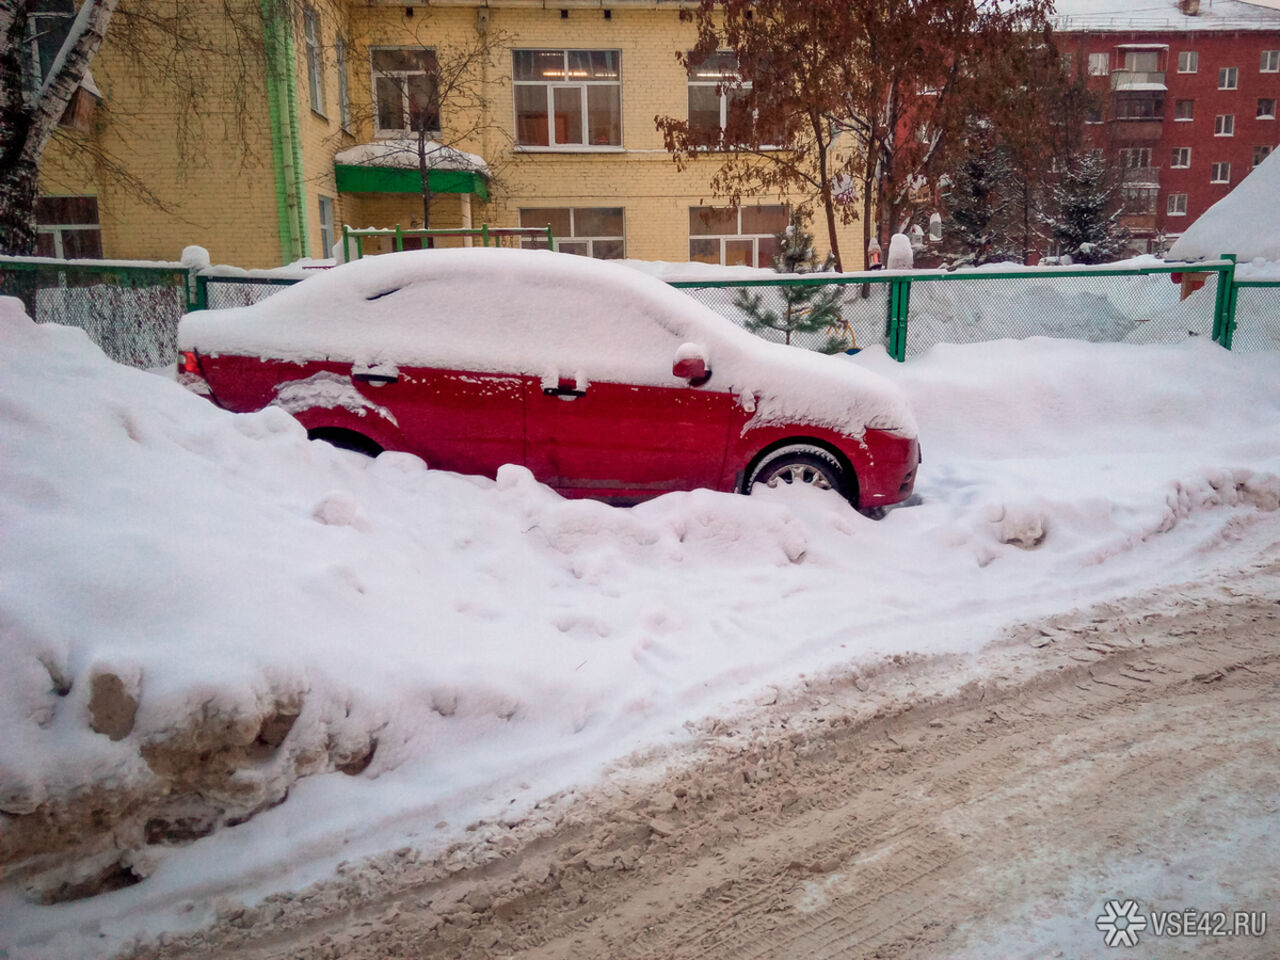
604	382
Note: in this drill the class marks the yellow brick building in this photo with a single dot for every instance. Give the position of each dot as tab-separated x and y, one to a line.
251	157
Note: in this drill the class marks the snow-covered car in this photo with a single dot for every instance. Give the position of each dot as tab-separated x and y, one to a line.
602	381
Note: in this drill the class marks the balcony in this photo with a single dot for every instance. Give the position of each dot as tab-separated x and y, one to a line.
1137	80
1142	176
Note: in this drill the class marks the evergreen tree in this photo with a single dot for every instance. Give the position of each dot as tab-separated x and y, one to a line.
974	229
1087	209
799	308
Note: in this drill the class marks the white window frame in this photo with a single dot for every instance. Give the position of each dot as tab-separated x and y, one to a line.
1269	114
344	86
1144	198
1228	78
57	230
1260	154
1224	125
1269	62
755	238
1135	158
1220	172
1099	64
327	239
1187	119
1188	61
584	101
1180	158
401	76
1176	205
315	66
573	238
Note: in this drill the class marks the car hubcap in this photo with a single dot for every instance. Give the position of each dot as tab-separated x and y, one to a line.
799	473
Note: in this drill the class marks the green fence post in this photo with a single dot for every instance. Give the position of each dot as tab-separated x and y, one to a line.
896	321
202	294
484	234
551	240
1222	309
399	239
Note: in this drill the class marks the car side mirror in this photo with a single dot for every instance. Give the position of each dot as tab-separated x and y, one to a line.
691	364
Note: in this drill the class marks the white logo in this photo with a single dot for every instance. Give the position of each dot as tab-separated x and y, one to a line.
1120	923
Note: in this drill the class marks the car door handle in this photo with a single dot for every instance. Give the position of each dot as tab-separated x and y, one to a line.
378	378
567	393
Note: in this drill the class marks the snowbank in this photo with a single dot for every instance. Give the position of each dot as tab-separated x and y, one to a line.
1245	222
204	617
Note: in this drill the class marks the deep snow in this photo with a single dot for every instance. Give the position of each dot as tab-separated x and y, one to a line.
503	643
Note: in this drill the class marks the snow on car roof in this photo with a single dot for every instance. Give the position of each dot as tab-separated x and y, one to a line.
538	313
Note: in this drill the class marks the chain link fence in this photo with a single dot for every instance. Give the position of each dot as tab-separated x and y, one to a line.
132	313
1257	316
222	293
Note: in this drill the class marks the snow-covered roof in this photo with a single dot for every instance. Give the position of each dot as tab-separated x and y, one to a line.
1245	222
1107	15
402	153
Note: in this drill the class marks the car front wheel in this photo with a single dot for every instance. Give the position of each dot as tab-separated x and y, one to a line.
792	466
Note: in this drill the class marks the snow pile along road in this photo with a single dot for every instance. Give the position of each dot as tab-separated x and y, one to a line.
234	658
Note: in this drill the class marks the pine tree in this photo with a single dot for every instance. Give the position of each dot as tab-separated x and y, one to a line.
1087	211
803	308
977	204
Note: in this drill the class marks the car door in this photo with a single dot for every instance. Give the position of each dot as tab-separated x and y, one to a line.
609	419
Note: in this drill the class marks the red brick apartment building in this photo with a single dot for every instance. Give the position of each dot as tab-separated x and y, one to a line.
1189	92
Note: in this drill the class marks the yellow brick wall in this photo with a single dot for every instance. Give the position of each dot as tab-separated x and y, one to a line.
217	185
168	172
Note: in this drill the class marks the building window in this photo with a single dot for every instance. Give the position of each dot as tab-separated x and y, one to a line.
1184	109
67	228
1135	157
344	97
1067	60
1188	61
47	26
1093	113
405	90
326	226
745	237
1224	125
1260	154
1139	200
1228	78
1140	106
1181	157
1220	173
1099	64
1266	108
1142	61
1270	61
715	94
586	231
568	98
1176	206
315	78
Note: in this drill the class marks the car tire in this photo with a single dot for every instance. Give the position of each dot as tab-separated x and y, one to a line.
811	466
345	440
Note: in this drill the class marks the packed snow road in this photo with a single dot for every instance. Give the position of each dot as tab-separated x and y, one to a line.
1128	753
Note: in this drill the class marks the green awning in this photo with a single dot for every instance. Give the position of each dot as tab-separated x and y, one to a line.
370	179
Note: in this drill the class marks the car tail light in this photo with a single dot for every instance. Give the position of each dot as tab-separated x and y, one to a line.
189	374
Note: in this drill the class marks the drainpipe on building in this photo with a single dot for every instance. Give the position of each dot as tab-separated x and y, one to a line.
283	114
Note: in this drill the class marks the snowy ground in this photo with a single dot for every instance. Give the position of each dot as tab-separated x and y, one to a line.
494	643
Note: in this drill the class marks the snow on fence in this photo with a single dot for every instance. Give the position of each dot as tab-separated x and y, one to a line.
132	311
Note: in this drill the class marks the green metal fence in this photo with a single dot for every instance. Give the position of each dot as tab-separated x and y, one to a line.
910	311
353	240
131	312
1255	319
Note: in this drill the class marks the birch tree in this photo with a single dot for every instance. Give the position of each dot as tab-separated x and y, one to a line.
30	108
